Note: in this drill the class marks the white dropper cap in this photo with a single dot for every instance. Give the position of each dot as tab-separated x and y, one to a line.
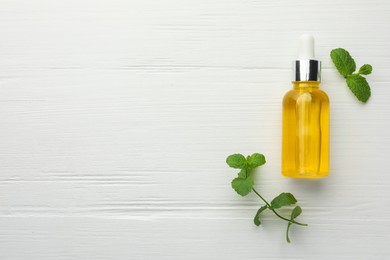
306	68
306	47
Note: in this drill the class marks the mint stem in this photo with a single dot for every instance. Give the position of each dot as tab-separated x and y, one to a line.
276	213
287	237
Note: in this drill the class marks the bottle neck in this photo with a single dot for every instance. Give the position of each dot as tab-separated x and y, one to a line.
306	84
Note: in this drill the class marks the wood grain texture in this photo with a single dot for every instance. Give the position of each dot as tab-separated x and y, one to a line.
117	116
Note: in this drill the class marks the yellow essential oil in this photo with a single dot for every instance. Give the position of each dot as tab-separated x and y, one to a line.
305	133
305	151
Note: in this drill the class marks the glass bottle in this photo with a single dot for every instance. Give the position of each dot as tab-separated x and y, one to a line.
305	134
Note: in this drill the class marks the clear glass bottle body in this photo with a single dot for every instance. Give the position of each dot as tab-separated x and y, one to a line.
305	134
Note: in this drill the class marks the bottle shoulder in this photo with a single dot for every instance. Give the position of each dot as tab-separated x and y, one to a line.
315	93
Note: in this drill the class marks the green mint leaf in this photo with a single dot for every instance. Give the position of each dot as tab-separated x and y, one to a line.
359	87
243	186
237	161
255	160
346	66
343	61
295	213
256	220
283	199
365	69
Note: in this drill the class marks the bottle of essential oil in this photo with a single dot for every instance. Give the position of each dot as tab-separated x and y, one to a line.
305	136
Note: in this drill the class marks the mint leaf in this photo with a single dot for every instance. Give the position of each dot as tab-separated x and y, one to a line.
256	220
243	186
237	161
283	199
359	87
255	160
295	213
343	61
365	69
346	66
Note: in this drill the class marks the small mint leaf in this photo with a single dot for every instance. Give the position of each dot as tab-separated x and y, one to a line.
365	69
343	61
255	160
359	87
283	199
256	220
237	161
243	186
295	213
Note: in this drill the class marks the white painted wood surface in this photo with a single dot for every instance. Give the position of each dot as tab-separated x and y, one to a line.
116	118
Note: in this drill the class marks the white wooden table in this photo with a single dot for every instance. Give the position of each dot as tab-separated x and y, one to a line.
117	116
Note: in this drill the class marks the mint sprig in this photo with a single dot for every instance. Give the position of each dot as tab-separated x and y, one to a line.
243	185
346	66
